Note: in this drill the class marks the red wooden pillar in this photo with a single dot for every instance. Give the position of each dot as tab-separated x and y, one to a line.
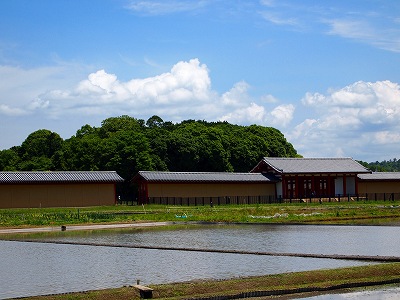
328	185
143	192
296	188
312	185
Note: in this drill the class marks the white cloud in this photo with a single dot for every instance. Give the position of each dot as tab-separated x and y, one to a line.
20	87
11	111
303	129
352	120
282	115
236	95
187	82
365	102
267	2
164	7
377	26
386	137
253	113
387	38
269	99
278	19
354	29
182	93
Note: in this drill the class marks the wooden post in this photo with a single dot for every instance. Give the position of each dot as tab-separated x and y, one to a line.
145	292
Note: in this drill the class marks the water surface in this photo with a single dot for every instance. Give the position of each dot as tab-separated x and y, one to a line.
34	268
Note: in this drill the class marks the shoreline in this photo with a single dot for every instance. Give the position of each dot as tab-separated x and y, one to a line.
150	224
276	286
84	227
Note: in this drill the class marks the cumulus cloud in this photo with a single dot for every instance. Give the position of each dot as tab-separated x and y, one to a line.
187	82
253	113
366	102
184	92
350	120
282	115
236	95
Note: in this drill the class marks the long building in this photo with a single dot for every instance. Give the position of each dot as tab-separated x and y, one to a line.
58	189
272	179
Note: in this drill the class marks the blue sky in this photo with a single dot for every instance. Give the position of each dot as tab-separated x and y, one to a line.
325	73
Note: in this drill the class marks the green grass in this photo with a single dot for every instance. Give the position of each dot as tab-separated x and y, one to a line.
289	281
327	213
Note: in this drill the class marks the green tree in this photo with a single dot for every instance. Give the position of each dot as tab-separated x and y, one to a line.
42	142
154	121
9	159
124	123
193	146
37	150
81	153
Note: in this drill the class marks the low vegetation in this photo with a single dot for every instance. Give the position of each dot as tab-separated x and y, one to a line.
327	213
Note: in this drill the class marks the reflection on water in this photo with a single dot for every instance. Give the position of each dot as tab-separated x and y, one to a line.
316	239
37	268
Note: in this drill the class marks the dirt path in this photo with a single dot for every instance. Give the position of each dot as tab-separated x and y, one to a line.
83	227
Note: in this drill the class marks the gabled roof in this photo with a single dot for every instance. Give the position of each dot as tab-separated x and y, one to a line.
203	177
378	176
60	177
285	165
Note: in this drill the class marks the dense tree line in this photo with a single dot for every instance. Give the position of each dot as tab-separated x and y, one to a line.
127	145
391	165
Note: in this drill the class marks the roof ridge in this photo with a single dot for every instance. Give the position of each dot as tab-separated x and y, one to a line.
108	171
195	172
309	158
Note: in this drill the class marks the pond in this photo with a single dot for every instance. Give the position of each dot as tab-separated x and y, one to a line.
34	268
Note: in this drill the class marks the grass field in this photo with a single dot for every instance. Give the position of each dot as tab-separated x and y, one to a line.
327	213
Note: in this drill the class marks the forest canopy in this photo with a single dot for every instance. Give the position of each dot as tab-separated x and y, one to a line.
128	145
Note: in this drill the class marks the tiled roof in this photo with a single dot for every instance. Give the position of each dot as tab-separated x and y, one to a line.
392	176
314	165
156	176
59	176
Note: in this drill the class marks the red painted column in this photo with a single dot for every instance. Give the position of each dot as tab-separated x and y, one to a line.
312	184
